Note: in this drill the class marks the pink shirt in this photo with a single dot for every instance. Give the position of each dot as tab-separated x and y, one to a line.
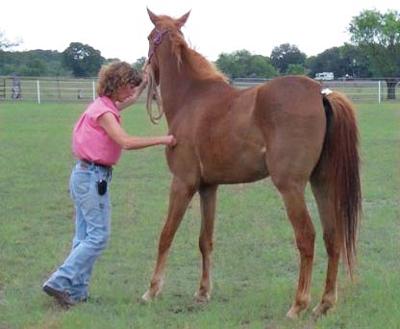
89	140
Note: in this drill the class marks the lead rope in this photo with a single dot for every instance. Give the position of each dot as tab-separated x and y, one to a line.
153	94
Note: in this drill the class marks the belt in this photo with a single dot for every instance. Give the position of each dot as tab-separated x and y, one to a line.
91	163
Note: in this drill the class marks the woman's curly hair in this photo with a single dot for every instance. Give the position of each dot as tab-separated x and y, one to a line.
116	75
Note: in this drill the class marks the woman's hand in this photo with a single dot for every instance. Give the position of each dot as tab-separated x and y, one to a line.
170	140
128	101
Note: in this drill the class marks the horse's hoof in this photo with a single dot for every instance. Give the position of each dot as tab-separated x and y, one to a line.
293	313
201	298
321	309
147	297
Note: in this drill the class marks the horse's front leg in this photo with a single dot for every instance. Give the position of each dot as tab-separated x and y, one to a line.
207	201
180	195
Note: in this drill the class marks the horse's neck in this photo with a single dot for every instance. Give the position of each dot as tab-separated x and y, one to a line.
174	85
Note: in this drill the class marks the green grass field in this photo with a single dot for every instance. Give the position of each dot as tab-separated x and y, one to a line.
255	260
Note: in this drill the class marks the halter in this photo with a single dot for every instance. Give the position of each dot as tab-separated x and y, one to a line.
152	91
156	42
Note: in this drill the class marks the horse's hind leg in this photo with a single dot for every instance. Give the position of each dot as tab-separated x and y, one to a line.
293	195
180	196
324	200
207	201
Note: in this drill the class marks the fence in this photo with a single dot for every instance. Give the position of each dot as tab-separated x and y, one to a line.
84	90
49	89
368	91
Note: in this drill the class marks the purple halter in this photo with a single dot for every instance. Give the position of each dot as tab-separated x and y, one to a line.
156	41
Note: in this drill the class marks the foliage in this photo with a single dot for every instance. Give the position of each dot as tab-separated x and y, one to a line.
110	60
343	60
138	65
83	60
286	54
32	63
296	69
378	35
242	64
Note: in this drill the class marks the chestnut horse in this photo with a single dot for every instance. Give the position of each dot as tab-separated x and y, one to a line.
286	129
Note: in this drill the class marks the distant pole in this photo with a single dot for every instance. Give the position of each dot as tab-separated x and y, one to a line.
379	91
94	89
38	90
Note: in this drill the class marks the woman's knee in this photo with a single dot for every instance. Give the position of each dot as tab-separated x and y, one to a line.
98	239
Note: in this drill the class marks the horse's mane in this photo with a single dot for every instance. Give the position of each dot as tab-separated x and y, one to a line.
200	67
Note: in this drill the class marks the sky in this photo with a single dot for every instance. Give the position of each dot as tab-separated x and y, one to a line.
119	28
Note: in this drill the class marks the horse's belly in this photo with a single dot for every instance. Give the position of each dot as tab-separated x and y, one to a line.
240	168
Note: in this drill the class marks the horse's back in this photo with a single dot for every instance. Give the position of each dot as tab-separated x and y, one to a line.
299	95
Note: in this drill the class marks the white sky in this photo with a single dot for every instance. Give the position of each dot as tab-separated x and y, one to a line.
119	28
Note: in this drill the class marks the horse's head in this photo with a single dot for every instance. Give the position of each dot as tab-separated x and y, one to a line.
167	46
163	26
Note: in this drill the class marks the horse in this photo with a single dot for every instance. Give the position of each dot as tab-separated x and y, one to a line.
287	129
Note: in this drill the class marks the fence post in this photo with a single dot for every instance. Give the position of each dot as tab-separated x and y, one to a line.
38	90
93	90
379	91
3	90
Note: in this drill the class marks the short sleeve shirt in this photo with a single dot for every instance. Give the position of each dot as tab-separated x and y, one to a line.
89	140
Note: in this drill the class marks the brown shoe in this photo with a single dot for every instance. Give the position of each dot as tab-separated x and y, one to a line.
62	297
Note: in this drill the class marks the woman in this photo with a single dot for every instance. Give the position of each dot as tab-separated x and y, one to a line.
97	142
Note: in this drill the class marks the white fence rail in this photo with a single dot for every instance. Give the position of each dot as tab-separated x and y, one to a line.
369	91
48	89
84	90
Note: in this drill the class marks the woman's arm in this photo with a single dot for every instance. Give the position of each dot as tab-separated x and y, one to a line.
110	124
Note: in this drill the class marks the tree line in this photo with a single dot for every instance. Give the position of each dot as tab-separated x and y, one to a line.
374	51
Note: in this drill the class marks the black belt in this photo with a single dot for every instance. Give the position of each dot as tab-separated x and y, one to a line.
91	163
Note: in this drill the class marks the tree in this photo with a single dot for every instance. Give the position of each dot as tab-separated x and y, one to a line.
295	69
227	64
379	36
138	65
354	61
234	64
32	63
286	54
83	60
34	67
261	67
328	61
242	64
347	59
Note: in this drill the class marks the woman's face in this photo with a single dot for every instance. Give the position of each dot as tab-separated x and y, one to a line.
124	92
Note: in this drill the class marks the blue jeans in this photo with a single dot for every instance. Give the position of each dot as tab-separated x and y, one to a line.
92	230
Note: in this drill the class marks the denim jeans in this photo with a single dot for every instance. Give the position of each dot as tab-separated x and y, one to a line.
92	230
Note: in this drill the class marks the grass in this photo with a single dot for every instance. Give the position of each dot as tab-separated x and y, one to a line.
255	260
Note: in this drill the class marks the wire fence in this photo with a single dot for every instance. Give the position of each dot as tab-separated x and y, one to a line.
84	90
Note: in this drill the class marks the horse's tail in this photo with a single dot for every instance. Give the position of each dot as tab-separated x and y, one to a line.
341	165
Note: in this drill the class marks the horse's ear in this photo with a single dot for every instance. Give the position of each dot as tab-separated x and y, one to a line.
181	21
153	17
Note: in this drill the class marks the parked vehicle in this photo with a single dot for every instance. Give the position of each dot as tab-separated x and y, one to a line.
324	76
